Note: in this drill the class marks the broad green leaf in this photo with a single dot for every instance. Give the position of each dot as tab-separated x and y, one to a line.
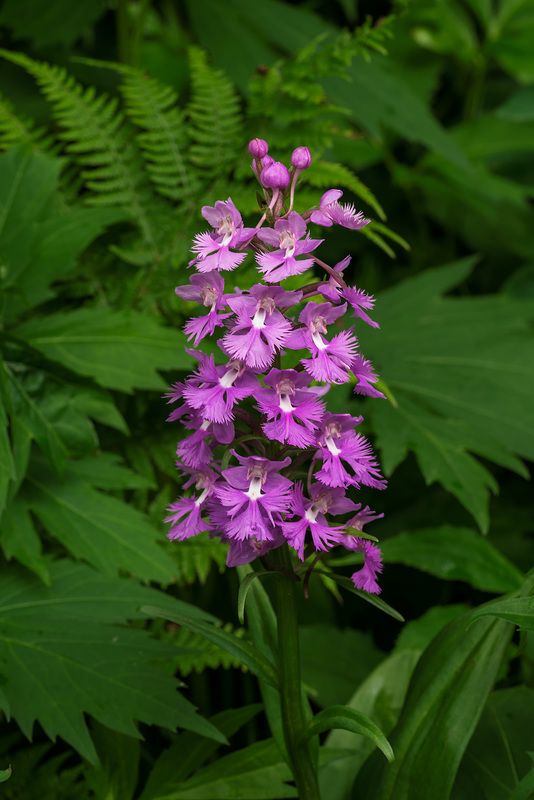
257	773
380	697
525	788
511	43
519	610
334	662
519	106
378	99
461	387
117	774
418	633
245	652
491	134
447	694
348	719
63	654
7	466
109	533
20	540
50	23
496	758
119	349
454	554
189	751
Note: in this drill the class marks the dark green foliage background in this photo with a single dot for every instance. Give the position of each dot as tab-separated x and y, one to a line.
118	121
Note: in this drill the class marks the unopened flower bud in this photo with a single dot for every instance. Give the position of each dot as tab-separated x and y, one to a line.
275	176
301	158
258	148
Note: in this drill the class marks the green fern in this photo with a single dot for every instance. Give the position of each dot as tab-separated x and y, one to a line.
152	106
98	139
215	116
195	558
204	653
16	129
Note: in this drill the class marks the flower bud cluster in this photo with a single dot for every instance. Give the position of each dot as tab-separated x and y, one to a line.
256	413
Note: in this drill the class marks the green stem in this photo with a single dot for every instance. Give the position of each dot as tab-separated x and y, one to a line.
294	722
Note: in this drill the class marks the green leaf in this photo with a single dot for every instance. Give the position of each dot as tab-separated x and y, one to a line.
519	610
334	662
244	586
246	653
511	43
373	599
109	533
496	758
61	646
189	751
347	719
454	554
519	106
380	697
525	788
377	99
461	387
20	540
7	466
5	774
119	349
447	695
117	774
257	772
50	23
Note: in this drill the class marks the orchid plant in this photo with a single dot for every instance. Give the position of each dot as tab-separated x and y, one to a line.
259	421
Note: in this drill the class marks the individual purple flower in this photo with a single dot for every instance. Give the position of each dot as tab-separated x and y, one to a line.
332	360
244	551
359	301
286	236
340	446
215	390
330	211
213	249
295	410
194	450
207	288
311	515
260	329
186	512
255	496
331	289
365	578
363	370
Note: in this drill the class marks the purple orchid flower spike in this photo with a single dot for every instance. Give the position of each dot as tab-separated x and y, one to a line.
330	210
286	237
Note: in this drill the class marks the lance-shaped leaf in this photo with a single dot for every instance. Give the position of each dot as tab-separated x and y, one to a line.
65	651
189	751
348	719
447	695
454	554
257	772
519	610
119	349
245	652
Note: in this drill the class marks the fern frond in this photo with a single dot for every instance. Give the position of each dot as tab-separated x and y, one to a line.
16	129
215	116
203	653
196	558
326	175
98	138
152	106
375	232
